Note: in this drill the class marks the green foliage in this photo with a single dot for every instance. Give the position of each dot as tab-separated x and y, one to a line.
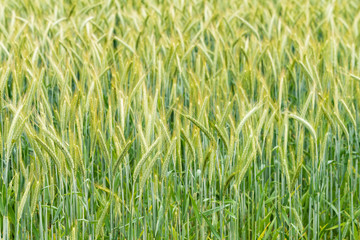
179	119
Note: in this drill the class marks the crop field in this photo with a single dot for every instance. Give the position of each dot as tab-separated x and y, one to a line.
179	119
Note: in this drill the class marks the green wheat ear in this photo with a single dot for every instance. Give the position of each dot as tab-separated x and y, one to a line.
35	197
305	123
23	201
201	127
104	147
14	129
101	220
122	155
167	158
144	158
147	172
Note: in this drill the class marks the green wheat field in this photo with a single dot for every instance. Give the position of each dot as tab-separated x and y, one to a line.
179	119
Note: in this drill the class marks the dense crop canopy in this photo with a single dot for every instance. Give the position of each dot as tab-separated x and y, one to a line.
179	119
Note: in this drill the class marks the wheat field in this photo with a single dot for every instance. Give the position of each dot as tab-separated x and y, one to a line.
185	119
